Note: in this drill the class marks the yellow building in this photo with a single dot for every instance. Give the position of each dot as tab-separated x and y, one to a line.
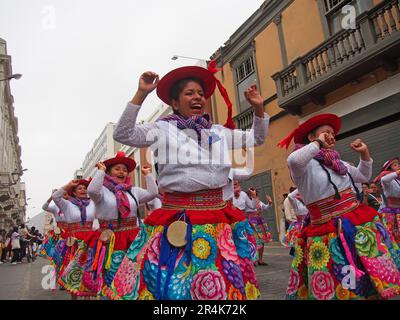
309	57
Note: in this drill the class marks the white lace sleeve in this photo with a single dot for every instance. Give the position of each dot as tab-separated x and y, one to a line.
60	201
387	179
50	208
299	159
363	172
95	188
146	195
129	133
249	138
264	206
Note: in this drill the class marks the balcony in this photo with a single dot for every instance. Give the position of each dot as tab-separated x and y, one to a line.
244	120
349	54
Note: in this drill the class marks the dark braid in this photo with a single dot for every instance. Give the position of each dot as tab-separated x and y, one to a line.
355	187
337	195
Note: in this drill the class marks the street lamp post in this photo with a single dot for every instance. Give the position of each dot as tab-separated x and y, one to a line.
14	177
204	62
15	76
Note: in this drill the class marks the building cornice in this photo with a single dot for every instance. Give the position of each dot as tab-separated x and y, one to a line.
247	32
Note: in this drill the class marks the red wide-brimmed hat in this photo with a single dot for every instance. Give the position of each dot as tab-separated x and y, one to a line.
388	163
81	181
208	80
166	83
299	134
120	158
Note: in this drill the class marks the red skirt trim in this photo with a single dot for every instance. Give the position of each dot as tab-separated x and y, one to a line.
123	239
228	214
360	215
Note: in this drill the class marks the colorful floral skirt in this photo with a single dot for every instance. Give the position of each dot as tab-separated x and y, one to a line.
391	220
215	264
49	245
261	229
100	261
75	261
292	233
361	263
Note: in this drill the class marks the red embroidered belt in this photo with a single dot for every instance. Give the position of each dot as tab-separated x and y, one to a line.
324	210
62	225
78	227
200	200
126	224
393	202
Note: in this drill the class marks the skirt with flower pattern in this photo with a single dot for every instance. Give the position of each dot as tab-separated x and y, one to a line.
221	266
391	220
321	269
261	229
49	245
292	233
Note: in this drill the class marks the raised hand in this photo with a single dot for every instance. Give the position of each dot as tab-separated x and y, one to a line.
252	193
269	199
148	81
101	166
359	146
146	170
327	140
253	96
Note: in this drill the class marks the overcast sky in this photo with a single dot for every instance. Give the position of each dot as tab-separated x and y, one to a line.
80	62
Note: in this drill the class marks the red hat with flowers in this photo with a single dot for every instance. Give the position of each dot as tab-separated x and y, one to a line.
207	79
301	132
120	158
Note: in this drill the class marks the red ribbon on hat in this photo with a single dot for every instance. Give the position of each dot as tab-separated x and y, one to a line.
286	141
212	67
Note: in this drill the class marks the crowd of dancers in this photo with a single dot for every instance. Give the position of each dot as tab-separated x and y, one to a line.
204	235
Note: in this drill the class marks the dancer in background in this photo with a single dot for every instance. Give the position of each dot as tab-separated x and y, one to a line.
79	212
117	209
343	233
389	178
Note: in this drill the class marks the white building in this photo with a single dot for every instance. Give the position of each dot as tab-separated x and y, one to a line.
133	152
12	190
103	148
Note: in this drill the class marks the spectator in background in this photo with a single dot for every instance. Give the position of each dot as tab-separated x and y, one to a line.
372	196
290	215
16	246
282	222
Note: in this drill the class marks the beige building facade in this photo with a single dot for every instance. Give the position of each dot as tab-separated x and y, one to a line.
12	190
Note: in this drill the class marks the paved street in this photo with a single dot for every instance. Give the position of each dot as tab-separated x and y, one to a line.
24	281
274	278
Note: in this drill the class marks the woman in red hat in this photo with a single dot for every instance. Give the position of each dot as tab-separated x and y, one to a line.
295	228
389	178
344	252
117	209
195	246
53	236
79	212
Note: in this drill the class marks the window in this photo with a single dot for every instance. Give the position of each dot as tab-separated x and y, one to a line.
332	10
245	74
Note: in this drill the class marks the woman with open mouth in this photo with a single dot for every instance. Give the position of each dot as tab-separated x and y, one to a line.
195	246
117	209
344	252
79	212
